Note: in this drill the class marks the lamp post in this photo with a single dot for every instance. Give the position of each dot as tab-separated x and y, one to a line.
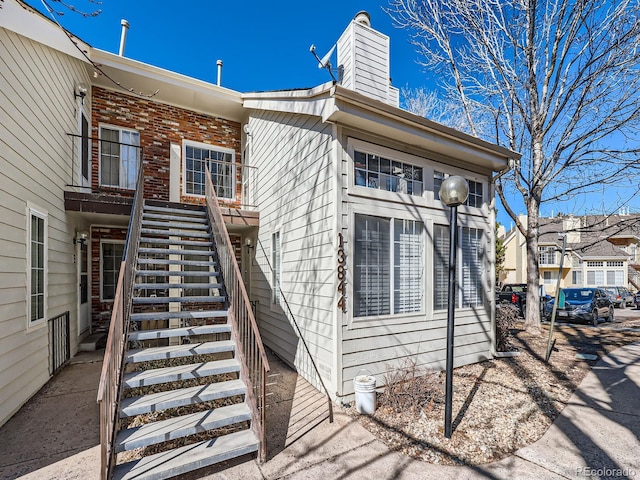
453	192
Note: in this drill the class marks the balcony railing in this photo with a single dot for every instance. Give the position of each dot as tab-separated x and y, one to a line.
235	183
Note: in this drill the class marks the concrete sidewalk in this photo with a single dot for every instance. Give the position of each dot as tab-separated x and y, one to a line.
597	434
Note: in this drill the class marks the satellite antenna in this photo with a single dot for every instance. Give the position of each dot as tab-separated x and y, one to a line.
324	62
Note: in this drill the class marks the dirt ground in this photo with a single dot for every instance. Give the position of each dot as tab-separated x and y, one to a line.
499	405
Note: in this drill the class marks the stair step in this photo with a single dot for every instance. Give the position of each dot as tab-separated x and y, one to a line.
195	263
166	286
183	426
179	273
168	251
188	458
200	212
170	218
180	372
155	402
175	225
197	314
167	233
192	299
137	335
168	241
178	351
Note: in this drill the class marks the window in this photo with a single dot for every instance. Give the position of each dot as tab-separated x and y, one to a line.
111	256
84	149
547	278
221	164
441	266
470	269
615	277
380	173
476	195
547	255
119	157
37	266
388	259
595	277
576	277
407	266
438	178
276	262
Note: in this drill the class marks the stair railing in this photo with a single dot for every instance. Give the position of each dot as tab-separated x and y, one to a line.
253	359
109	388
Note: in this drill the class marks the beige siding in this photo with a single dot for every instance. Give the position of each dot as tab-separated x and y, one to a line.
38	109
296	197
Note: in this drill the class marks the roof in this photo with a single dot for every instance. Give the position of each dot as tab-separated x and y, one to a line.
339	105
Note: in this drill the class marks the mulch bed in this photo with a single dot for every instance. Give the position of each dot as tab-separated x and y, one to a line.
499	405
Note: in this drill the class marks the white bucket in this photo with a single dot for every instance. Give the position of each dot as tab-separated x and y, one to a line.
365	389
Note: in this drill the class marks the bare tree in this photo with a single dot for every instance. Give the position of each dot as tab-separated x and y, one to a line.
560	80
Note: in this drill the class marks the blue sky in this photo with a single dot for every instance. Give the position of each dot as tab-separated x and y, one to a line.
264	46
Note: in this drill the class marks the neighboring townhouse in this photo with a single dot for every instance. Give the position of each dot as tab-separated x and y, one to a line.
330	199
601	250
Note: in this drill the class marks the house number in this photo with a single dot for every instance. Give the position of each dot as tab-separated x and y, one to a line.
342	303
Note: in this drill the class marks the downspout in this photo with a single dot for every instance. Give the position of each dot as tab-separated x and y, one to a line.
492	300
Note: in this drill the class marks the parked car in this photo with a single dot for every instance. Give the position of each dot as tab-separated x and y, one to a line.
636	299
587	305
621	296
514	293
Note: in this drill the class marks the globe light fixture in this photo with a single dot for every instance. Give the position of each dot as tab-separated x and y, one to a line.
453	192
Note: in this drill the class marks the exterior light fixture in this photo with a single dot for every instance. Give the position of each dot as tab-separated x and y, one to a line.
81	238
453	192
80	91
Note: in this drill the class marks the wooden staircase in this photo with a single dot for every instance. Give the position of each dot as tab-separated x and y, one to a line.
183	396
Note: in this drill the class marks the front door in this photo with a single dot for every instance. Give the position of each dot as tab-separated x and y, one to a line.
83	289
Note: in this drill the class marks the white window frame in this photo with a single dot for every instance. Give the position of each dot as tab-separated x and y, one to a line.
396	173
213	148
392	268
438	173
576	278
120	131
42	214
83	113
103	242
461	274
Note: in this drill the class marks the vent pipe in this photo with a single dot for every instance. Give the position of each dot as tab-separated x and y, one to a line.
219	64
363	18
123	36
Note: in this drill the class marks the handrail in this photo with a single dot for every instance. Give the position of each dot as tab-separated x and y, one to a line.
304	342
254	363
112	367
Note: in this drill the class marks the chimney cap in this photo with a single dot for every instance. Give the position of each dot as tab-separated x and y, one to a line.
363	17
